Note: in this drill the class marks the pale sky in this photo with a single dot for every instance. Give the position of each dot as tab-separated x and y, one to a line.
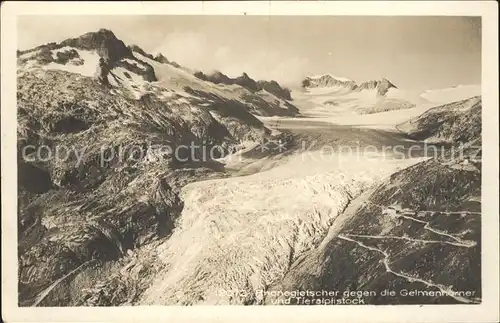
412	52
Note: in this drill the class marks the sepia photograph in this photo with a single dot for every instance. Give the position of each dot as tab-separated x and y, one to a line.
250	159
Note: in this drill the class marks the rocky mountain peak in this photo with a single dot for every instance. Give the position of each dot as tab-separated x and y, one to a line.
160	58
104	42
382	86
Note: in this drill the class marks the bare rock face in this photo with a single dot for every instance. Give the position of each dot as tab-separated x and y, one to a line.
146	71
368	85
81	213
138	49
175	64
435	232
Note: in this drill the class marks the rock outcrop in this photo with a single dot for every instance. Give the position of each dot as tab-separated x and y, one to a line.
103	71
419	230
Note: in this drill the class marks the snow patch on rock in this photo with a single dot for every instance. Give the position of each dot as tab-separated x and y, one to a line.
88	68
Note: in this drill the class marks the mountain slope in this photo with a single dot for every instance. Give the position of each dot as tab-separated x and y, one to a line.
258	94
451	123
101	163
400	237
247	82
137	71
418	233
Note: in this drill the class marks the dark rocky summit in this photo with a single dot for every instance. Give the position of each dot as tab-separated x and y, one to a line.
104	42
111	50
382	86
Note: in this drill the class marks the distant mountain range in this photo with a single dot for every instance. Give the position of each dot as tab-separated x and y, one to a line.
135	69
377	95
247	82
328	80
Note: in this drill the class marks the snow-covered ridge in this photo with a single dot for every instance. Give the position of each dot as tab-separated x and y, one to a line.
451	94
328	81
339	78
335	83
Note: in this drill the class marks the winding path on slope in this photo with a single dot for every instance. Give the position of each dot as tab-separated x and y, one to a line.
447	290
